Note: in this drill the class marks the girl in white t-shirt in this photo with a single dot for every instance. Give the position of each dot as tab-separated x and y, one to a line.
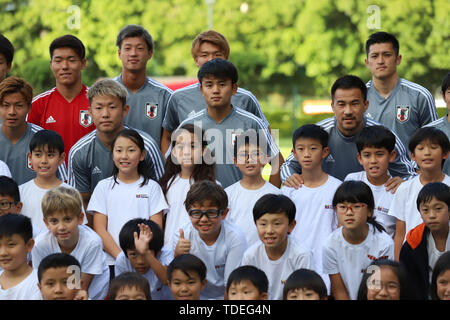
184	166
358	241
129	193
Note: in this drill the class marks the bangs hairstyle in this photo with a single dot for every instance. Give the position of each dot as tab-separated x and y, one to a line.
16	85
375	137
310	131
442	265
256	276
107	87
9	187
132	31
445	83
62	199
250	138
349	82
305	279
68	41
218	68
126	235
49	138
11	224
187	263
382	37
128	280
7	49
56	260
431	190
274	203
357	191
142	168
204	190
202	171
212	37
432	135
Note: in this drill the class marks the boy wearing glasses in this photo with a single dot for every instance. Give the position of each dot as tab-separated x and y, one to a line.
219	243
9	196
250	158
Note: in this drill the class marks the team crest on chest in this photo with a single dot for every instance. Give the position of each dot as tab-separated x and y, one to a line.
85	118
151	110
403	113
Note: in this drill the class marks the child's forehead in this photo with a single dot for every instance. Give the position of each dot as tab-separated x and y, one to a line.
6	197
15	237
56	272
185	275
43	148
248	147
61	213
307	141
369	148
269	216
243	283
205	203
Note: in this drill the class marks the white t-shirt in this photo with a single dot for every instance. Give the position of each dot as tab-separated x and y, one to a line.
315	218
240	204
125	202
351	260
4	169
31	196
26	290
294	257
383	200
158	291
88	252
434	253
220	259
404	206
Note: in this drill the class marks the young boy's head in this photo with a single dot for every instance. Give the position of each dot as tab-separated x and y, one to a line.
250	154
9	196
46	152
429	147
274	216
186	275
62	211
445	90
16	241
207	205
247	283
433	203
126	241
304	284
57	275
129	286
310	146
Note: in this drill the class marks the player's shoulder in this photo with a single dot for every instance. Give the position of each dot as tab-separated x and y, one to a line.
186	90
44	96
34	127
296	249
249	117
244	94
158	85
413	88
327	124
333	181
84	142
437	123
197	116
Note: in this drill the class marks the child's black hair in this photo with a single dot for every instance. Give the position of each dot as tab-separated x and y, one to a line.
218	68
305	279
310	131
431	134
249	137
256	276
126	235
431	190
274	203
7	49
56	260
11	224
205	190
357	191
442	265
49	138
9	187
187	263
68	41
131	280
375	137
445	83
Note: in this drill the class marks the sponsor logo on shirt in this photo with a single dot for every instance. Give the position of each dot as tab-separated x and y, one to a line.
85	118
328	206
329	158
402	114
50	120
151	110
375	258
368	115
141	196
383	210
96	170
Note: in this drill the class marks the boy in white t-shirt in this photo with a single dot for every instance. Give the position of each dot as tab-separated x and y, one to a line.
45	156
429	148
250	158
315	216
219	243
376	149
63	216
277	254
18	280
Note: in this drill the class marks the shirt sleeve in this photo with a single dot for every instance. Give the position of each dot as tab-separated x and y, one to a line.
329	260
38	253
98	200
171	120
157	200
427	107
397	207
289	167
121	264
93	258
79	175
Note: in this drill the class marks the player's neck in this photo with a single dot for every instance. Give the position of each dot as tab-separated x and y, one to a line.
128	177
314	177
47	182
253	182
440	238
11	278
134	80
14	134
386	85
275	253
211	239
356	236
69	92
186	172
219	113
107	138
378	181
433	175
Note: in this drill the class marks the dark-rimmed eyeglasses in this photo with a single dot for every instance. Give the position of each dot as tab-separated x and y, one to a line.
211	213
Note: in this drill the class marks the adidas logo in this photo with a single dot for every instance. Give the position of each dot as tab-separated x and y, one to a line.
96	170
191	114
329	158
50	120
368	115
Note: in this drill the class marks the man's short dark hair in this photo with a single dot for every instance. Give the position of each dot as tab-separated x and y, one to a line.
68	41
56	260
7	49
375	137
206	190
382	37
256	276
187	263
437	190
310	131
126	235
218	68
12	223
9	187
274	203
49	138
445	83
349	82
134	30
